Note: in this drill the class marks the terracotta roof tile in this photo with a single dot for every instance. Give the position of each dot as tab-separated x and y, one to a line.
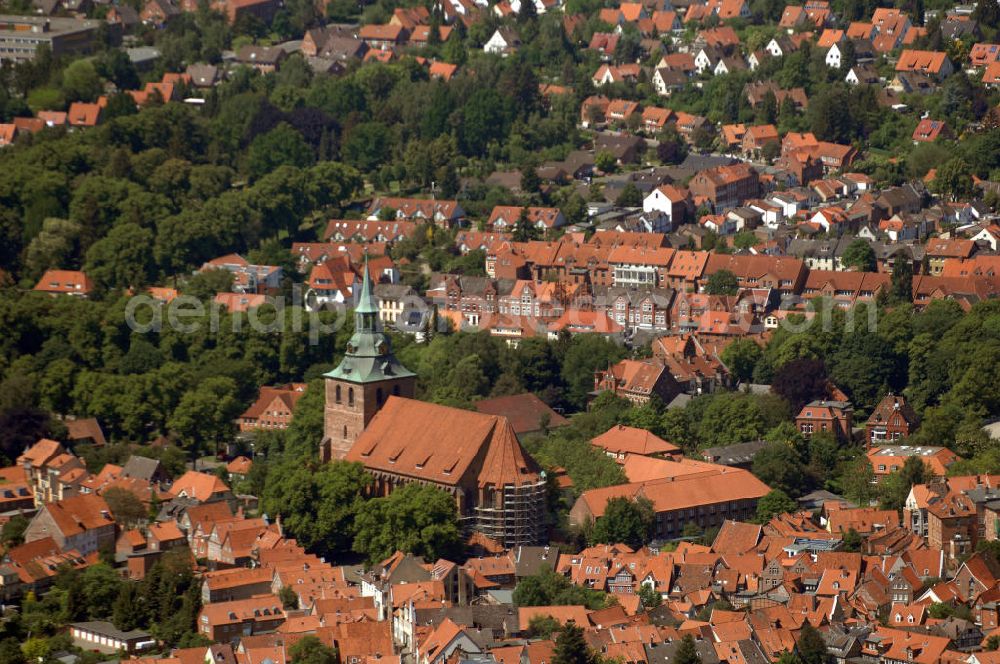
523	411
736	537
623	439
200	486
79	514
437	443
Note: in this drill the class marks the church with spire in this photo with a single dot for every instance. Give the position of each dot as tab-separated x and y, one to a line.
372	418
365	378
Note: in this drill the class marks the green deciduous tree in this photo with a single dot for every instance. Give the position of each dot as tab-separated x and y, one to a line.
418	519
625	521
774	503
483	121
896	487
650	597
852	541
630	196
859	255
856	477
780	467
121	259
204	417
56	246
585	354
81	81
318	505
282	146
722	282
543	627
366	146
741	357
127	509
310	650
953	179
12	533
605	161
730	418
551	589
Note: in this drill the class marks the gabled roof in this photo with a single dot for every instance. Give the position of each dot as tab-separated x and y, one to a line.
165	531
523	411
200	486
623	439
41	452
288	395
64	281
929	130
829	37
85	428
241	465
684	492
573	613
439	444
889	405
930	62
78	514
736	537
84	115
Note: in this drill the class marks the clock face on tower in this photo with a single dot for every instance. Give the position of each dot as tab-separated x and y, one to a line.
382	348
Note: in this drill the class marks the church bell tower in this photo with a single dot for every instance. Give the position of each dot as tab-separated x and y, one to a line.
365	378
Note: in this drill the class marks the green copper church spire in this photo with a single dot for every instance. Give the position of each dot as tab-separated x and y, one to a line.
366	311
366	301
368	356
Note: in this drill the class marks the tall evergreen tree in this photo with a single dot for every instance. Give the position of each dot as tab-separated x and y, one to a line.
125	613
902	280
571	648
811	647
687	653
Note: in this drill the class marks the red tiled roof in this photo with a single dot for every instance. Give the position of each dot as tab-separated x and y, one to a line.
735	537
79	514
64	281
711	487
289	395
928	62
622	439
523	411
384	32
439	444
564	614
84	115
200	486
992	74
239	466
41	452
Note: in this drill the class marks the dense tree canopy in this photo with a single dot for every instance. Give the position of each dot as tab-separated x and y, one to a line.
626	521
417	519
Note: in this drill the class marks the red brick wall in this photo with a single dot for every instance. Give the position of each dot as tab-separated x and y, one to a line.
343	422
